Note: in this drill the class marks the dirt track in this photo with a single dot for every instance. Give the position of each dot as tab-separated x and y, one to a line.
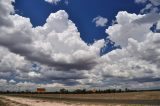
14	101
7	102
17	101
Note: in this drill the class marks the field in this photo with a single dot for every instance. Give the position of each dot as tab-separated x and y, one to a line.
113	99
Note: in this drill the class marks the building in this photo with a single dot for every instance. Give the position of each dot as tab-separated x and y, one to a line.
41	90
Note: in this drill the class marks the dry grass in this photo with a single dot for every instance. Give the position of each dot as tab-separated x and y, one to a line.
154	95
123	96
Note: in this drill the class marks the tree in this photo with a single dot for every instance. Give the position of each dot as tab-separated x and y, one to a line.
63	91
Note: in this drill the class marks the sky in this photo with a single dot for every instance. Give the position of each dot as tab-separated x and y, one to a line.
79	44
38	11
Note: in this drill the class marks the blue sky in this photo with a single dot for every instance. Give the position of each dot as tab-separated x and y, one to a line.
80	44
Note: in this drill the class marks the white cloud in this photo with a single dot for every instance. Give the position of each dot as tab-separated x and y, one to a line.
136	63
56	45
100	21
140	51
53	1
63	43
12	81
158	25
151	6
3	81
148	18
154	2
5	8
34	74
120	33
140	1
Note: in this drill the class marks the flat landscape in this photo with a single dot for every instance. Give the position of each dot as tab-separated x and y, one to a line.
110	99
79	52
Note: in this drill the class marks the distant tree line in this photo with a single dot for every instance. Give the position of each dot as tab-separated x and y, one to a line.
84	91
78	91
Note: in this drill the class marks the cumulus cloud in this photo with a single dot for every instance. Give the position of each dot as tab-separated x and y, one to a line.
139	55
63	45
100	21
126	21
57	48
136	63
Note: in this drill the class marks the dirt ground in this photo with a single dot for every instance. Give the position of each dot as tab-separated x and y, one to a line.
118	99
18	101
4	101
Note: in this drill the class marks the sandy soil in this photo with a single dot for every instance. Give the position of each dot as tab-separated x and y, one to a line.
38	102
7	102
